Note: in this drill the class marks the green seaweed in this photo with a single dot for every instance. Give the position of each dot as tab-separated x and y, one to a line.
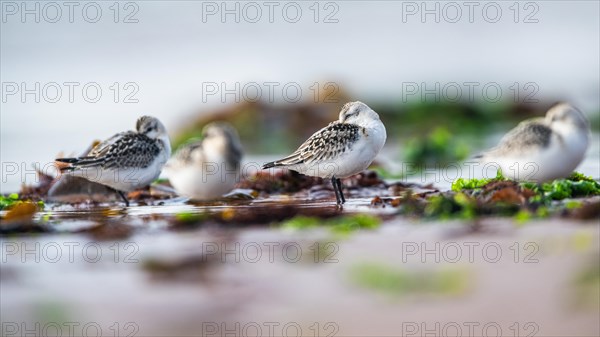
573	204
8	201
462	184
339	225
575	186
190	217
447	206
524	215
395	281
437	147
349	224
302	222
538	205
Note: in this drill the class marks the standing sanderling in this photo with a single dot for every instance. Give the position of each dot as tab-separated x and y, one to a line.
542	149
126	161
341	149
208	168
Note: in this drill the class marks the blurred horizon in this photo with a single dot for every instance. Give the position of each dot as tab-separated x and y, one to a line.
168	63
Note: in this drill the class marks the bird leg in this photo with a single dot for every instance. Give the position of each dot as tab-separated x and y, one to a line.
123	197
339	184
335	189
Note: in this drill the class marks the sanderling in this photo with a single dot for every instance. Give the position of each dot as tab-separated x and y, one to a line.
542	149
208	168
341	149
126	161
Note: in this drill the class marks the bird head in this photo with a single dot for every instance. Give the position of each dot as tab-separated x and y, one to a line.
150	127
564	114
223	135
357	113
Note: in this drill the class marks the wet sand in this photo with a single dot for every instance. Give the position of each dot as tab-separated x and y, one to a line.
493	277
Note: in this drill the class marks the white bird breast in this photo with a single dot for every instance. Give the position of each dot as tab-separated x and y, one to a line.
125	179
201	183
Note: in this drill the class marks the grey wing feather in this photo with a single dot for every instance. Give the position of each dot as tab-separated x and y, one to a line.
184	153
102	148
94	157
523	139
132	150
123	150
332	140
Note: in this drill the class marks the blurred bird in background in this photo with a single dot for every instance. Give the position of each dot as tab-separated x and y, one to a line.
542	149
208	168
